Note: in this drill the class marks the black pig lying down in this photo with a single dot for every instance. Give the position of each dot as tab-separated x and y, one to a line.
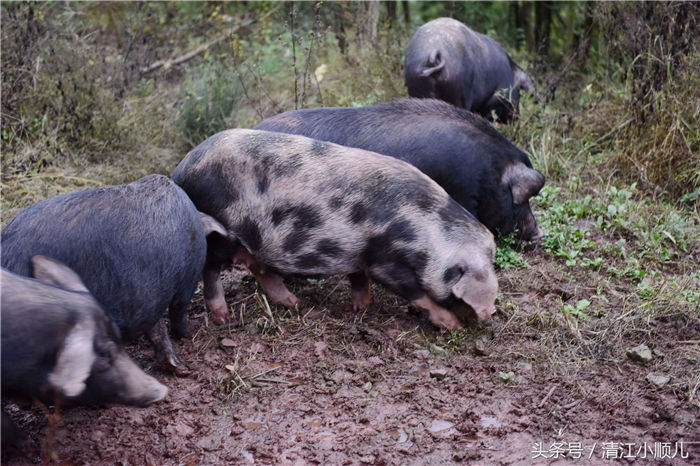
57	343
478	166
140	248
446	60
297	206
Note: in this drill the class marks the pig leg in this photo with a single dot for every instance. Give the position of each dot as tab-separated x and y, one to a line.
274	287
270	281
179	322
214	297
438	315
361	296
164	351
219	252
11	434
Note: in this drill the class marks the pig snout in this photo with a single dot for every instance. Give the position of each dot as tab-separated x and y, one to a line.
465	312
139	388
527	229
484	314
477	290
537	235
532	234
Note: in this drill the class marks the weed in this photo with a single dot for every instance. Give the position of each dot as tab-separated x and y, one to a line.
506	255
578	310
455	339
507	376
564	239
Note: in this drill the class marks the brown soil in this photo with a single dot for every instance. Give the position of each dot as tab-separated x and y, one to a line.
324	385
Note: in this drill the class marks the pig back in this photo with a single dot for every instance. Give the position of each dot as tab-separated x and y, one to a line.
133	245
307	207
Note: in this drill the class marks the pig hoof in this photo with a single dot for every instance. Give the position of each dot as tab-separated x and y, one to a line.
293	301
219	311
168	361
181	371
287	301
219	318
177	367
361	304
448	322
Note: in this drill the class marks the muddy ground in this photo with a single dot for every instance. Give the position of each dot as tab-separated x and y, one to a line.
324	385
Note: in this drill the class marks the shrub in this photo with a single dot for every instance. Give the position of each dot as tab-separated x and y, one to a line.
658	143
61	91
209	103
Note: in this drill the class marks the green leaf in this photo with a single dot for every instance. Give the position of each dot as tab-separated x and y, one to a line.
582	304
507	376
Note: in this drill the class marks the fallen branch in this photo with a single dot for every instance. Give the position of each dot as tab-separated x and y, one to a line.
570	405
193	53
260	382
544	400
554	83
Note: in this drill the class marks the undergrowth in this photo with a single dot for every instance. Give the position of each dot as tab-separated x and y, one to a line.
618	266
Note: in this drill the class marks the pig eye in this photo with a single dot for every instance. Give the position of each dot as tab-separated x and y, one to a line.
453	274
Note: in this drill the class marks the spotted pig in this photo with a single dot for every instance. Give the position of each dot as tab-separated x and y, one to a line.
297	206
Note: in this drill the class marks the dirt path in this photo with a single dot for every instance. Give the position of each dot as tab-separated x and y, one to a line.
327	386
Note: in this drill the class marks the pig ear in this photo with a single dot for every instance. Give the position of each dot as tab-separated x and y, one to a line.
75	359
211	225
56	273
524	181
479	291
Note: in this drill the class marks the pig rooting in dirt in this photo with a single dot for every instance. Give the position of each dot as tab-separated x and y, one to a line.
58	344
297	206
139	248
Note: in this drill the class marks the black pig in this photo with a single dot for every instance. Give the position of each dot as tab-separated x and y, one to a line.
58	344
479	167
139	248
446	60
297	206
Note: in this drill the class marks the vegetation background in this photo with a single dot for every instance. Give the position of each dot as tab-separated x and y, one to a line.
106	92
109	91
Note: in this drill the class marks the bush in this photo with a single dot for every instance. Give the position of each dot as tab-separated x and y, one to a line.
662	150
61	91
209	103
658	143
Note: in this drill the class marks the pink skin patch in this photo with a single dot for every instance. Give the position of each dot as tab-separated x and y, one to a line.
217	303
361	298
271	282
439	316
